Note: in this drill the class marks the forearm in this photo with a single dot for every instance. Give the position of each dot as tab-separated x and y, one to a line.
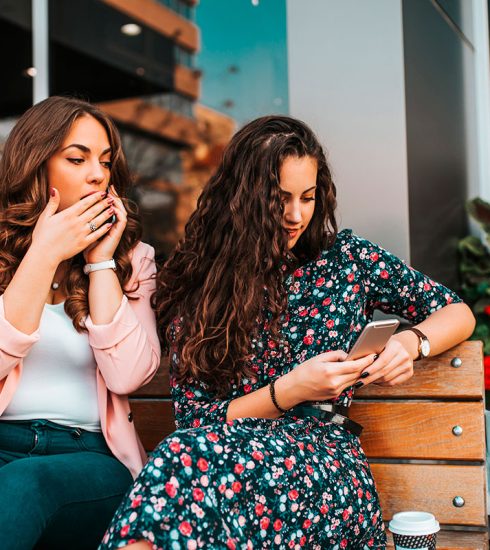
104	296
445	328
26	295
258	404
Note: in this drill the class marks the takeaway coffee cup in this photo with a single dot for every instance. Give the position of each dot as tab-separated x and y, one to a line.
414	530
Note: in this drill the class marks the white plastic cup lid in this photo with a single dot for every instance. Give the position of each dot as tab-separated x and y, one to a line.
413	523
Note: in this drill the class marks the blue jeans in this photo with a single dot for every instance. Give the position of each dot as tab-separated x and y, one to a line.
59	486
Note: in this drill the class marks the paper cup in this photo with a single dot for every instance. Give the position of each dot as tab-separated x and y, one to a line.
414	530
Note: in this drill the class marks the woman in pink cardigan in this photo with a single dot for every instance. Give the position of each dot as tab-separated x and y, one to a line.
77	332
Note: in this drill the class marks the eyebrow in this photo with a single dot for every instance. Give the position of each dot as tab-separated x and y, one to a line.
84	148
305	191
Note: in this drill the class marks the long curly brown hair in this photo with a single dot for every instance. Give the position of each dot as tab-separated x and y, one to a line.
24	193
226	275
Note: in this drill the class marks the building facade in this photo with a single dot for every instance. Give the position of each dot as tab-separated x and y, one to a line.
136	60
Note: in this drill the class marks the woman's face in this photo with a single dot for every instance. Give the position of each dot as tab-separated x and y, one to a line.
82	165
298	184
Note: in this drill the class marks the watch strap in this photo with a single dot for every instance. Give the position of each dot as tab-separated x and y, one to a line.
421	337
108	264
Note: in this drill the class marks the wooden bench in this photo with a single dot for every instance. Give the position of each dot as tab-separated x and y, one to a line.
409	435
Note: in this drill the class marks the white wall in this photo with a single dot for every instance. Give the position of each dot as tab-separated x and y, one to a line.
346	80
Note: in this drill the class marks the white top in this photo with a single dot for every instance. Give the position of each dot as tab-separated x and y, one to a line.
59	376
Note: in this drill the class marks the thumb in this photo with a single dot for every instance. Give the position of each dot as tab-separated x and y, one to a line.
53	203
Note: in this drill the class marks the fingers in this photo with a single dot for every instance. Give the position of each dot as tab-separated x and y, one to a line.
393	364
103	217
332	356
87	202
356	366
53	203
94	236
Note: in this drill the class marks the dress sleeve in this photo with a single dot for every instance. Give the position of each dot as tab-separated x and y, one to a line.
394	287
194	404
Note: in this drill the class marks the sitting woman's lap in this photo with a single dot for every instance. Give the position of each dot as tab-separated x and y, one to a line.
56	500
253	483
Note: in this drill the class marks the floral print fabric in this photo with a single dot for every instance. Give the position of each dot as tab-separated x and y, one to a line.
285	483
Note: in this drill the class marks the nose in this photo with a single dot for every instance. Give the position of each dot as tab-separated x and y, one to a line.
292	212
96	173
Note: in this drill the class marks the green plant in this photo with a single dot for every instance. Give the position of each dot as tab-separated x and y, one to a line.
475	276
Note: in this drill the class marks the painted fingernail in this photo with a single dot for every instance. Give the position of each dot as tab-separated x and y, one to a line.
375	357
52	192
364	375
358	385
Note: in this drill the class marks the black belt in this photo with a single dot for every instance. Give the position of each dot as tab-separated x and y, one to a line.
328	412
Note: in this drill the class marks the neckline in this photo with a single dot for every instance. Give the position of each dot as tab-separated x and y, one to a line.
55	306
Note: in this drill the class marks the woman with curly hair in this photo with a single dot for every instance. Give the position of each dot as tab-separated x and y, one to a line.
259	304
77	331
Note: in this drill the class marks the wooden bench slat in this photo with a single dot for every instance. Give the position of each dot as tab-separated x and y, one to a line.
153	419
455	540
431	488
421	430
159	386
435	377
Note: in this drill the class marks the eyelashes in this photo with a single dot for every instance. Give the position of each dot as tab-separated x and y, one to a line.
79	161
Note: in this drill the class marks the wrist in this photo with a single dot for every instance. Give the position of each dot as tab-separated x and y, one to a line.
286	391
42	256
409	341
98	259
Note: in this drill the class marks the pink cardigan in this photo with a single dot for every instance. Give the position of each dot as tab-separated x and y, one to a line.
127	353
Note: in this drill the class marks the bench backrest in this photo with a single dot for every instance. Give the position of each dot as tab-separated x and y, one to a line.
424	439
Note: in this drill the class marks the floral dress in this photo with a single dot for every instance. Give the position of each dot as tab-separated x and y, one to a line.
284	483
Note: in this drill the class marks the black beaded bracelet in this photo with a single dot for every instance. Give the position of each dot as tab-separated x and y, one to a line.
272	391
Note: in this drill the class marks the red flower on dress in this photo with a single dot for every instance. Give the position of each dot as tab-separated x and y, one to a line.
307	524
384	274
185	528
320	281
198	494
236	486
259	509
374	256
186	460
350	277
239	468
258	455
136	501
212	437
277	525
293	494
308	340
170	489
124	531
264	522
202	464
175	446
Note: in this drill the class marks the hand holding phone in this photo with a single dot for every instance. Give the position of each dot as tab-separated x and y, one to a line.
373	338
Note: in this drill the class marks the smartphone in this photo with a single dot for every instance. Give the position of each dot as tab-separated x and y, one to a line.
373	338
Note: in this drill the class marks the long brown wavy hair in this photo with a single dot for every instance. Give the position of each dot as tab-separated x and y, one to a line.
226	275
24	193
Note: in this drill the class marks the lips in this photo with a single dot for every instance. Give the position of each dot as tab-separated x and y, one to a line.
292	233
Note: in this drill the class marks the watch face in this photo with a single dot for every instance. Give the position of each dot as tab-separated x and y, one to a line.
425	348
